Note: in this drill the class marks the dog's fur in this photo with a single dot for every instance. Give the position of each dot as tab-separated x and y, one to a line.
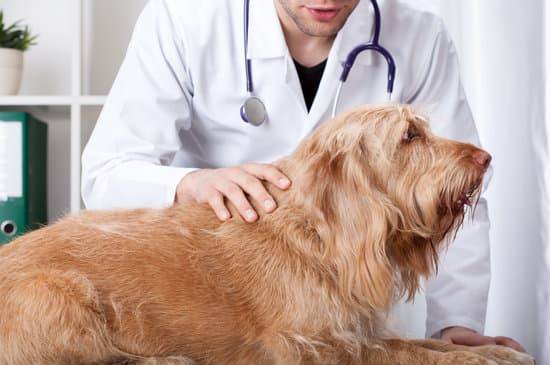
374	195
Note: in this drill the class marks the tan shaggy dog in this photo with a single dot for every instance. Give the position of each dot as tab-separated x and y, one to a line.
374	195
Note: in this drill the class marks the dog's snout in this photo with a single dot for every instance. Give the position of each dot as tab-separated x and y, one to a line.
482	158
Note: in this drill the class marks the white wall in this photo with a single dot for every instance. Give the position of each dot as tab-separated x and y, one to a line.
107	29
543	288
45	65
108	26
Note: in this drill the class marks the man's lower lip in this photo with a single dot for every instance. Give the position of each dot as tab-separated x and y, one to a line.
323	15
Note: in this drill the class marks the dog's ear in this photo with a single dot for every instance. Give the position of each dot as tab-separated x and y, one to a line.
353	220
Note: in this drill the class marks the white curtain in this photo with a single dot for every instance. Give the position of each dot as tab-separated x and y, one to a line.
505	56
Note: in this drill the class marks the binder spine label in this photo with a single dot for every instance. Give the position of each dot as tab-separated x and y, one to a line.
11	160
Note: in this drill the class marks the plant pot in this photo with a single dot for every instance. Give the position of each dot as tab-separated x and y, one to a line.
11	71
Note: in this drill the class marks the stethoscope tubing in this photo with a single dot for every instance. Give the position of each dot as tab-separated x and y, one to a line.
248	62
258	117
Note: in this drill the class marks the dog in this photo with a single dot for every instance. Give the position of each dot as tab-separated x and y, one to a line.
375	197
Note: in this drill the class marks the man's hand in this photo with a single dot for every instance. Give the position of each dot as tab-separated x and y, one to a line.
212	186
467	337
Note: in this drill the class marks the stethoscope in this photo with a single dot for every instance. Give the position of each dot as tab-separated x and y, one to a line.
254	112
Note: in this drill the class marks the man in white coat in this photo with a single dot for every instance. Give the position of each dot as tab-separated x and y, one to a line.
171	130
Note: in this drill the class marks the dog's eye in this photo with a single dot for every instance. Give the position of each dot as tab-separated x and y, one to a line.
411	134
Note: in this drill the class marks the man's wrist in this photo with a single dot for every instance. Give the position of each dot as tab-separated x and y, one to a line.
455	328
183	186
434	329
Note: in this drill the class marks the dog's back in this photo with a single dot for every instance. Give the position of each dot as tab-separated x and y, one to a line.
129	282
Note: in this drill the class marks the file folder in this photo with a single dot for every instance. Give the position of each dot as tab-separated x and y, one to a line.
23	174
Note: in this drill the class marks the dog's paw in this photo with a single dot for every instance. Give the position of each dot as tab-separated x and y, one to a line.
466	358
505	355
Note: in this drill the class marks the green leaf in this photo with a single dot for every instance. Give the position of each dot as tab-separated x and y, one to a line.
15	35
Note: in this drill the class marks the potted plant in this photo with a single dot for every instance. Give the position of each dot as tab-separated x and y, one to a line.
14	40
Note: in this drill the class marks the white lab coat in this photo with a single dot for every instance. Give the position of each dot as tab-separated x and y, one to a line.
174	107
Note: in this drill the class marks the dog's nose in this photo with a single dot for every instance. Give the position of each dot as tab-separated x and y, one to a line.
482	158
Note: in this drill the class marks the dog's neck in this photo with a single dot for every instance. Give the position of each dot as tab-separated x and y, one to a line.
295	284
338	236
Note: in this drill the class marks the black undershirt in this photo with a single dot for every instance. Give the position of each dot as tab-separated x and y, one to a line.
310	78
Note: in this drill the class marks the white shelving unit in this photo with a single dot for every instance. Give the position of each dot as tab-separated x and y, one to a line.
47	100
67	77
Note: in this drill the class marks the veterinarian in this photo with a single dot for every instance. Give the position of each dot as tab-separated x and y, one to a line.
172	130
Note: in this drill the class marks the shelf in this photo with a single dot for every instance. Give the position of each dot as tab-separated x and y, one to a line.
92	100
38	100
67	76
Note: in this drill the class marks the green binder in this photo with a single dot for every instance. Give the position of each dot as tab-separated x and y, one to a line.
23	174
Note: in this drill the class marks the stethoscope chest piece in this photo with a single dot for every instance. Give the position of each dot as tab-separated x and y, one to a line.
253	111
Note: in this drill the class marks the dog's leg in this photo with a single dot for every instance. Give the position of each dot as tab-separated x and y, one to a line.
166	361
51	318
403	352
502	355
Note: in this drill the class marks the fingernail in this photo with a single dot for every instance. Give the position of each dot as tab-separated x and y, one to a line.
284	182
225	216
269	204
250	214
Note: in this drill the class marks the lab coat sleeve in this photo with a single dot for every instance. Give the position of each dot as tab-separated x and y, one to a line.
457	296
126	163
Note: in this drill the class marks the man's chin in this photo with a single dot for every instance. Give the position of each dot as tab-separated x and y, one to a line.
320	29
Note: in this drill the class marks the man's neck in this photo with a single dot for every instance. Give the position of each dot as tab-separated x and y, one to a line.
305	49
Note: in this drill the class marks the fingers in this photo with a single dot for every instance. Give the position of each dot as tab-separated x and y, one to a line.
508	342
235	194
216	202
468	338
269	173
480	340
213	186
254	187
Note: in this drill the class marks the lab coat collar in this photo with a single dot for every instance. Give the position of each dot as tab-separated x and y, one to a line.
266	40
358	30
265	36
